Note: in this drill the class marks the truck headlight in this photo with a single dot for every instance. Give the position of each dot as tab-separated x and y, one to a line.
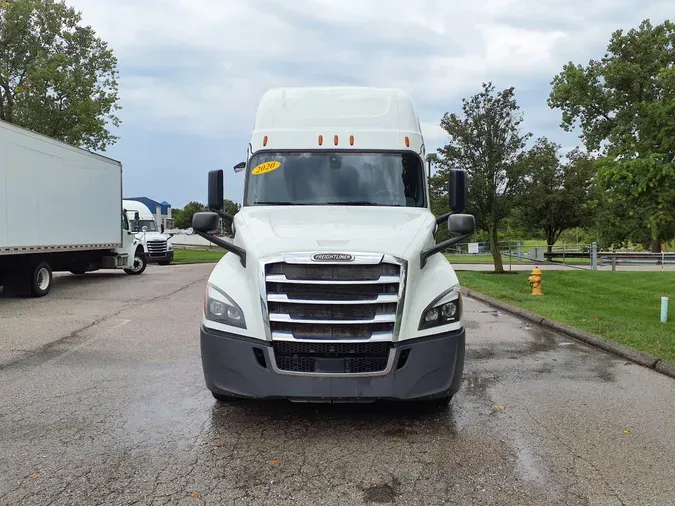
445	309
220	308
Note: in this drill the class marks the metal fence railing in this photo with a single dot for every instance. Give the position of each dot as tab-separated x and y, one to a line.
577	255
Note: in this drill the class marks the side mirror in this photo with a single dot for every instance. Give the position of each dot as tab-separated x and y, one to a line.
240	166
457	191
206	222
461	224
215	190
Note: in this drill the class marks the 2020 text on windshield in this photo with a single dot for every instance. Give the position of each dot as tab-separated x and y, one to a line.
335	178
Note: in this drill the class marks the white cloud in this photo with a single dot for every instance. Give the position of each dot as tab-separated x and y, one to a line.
201	65
433	133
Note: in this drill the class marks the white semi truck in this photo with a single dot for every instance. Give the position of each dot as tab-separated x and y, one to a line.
156	245
60	210
334	288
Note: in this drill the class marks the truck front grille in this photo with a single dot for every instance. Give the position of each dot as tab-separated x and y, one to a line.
332	301
157	248
350	358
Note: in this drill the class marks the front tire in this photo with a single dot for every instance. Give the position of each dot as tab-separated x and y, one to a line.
40	280
139	263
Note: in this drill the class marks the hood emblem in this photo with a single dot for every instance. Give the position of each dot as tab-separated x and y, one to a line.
332	257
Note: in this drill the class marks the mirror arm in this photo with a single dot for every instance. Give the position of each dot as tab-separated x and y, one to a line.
440	247
240	252
443	218
223	215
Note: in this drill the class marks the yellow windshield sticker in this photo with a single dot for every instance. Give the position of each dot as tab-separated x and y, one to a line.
266	167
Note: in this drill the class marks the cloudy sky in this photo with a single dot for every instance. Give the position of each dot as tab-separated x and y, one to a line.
192	71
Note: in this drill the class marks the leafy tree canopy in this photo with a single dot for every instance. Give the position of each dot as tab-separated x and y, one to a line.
624	105
557	194
486	141
56	76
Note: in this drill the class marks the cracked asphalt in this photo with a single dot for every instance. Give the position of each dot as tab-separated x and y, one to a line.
103	402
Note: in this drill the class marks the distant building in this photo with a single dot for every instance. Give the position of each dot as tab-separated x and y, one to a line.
161	210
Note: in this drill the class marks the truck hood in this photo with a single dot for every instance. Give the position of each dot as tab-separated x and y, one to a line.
151	236
280	229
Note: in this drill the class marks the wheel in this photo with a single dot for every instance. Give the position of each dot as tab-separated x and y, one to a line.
40	280
224	398
138	265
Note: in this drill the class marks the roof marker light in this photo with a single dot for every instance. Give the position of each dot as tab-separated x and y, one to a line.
407	141
265	141
320	140
335	140
351	140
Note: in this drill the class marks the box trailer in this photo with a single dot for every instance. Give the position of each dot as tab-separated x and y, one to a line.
60	210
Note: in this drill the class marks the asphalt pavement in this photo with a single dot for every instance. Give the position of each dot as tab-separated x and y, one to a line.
102	401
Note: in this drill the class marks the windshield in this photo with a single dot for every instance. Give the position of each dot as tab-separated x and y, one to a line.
335	178
152	226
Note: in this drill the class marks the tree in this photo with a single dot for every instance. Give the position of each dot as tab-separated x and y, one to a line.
556	195
488	144
438	200
56	77
230	208
183	217
625	107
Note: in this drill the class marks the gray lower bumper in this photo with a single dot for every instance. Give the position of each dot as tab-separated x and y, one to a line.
433	369
168	257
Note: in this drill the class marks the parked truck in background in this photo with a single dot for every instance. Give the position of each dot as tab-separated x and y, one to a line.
335	288
155	244
60	210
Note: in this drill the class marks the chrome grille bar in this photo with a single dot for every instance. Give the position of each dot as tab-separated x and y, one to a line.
381	299
384	337
281	278
286	318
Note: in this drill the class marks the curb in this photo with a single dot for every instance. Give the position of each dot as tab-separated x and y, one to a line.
620	350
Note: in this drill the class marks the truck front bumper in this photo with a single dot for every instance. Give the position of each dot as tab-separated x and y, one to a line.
242	367
156	258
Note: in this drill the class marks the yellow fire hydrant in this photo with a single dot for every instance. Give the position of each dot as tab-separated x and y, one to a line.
535	281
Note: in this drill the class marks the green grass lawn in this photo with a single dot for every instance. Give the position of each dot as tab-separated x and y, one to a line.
182	256
621	306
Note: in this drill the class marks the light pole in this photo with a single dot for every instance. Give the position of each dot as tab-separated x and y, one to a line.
431	157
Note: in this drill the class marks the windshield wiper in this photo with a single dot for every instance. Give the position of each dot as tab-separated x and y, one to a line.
361	203
338	203
280	203
353	203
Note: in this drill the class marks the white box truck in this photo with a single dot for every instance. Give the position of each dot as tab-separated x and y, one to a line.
156	245
334	288
60	210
